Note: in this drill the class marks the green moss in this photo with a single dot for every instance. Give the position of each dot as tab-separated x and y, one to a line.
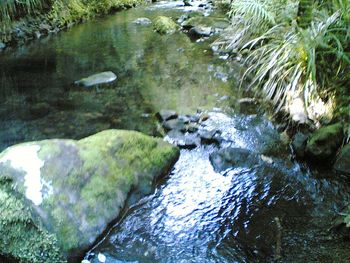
165	25
324	142
20	236
90	181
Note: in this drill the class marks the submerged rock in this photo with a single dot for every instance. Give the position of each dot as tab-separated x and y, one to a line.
96	79
60	195
143	21
342	163
228	158
165	25
324	142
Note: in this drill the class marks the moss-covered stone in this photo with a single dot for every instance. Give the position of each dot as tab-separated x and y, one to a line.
76	188
324	142
165	25
21	236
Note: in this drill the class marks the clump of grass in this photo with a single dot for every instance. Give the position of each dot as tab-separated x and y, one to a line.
289	54
12	9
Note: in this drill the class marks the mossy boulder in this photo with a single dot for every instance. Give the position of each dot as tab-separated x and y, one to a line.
342	163
165	25
323	143
59	195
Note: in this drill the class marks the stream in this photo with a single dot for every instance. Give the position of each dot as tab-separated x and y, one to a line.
197	213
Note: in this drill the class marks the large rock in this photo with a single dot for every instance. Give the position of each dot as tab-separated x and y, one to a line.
57	196
165	25
96	79
324	142
342	163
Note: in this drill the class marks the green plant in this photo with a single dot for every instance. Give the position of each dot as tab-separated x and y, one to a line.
289	56
10	9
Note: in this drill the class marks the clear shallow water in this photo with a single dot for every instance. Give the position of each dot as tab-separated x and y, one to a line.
154	72
196	214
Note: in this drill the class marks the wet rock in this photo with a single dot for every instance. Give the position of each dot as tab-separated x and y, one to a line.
187	3
96	79
143	21
185	119
204	117
342	163
194	118
165	25
210	136
227	158
174	124
39	110
299	144
200	31
191	127
60	195
184	141
165	115
324	142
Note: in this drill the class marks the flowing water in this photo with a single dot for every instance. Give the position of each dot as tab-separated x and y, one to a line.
196	214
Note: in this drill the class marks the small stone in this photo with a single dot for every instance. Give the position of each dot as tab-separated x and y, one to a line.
192	127
185	119
184	141
200	31
102	258
266	159
187	3
194	118
209	137
142	21
204	118
165	115
96	79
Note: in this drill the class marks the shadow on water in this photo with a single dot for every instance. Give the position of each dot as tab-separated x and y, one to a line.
197	214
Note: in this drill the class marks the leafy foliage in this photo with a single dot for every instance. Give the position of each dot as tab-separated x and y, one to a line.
289	54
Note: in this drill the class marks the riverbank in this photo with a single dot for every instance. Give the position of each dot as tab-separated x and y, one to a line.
52	18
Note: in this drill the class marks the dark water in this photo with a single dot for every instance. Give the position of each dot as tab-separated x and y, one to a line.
195	214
